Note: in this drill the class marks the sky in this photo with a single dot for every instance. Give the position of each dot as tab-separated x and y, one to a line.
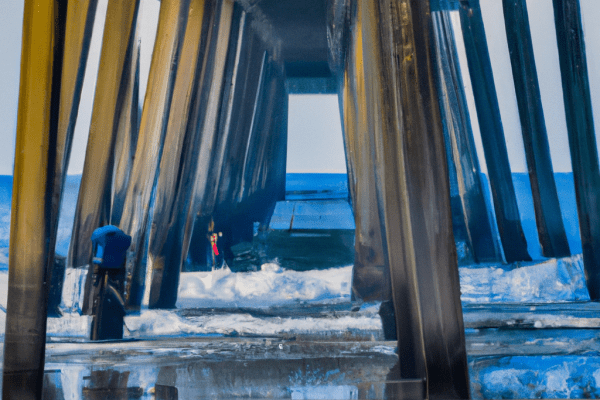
541	19
315	142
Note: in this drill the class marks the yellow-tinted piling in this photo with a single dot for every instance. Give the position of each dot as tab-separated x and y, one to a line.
94	201
172	22
34	209
188	146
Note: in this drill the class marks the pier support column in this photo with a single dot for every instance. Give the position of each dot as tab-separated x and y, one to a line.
94	201
234	69
246	100
168	59
478	220
36	197
370	276
77	37
235	205
394	44
127	136
492	134
263	150
551	229
582	138
189	143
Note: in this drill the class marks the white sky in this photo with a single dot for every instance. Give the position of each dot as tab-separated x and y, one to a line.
315	142
11	20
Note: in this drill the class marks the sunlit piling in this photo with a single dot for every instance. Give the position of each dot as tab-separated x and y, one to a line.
422	239
391	40
36	191
234	114
77	36
231	83
172	22
94	201
551	229
195	102
129	125
582	138
370	276
492	133
237	47
478	221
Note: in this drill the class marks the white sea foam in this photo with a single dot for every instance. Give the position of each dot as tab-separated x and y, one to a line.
557	280
541	282
167	323
270	286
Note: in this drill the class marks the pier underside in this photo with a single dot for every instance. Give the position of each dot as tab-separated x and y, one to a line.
195	173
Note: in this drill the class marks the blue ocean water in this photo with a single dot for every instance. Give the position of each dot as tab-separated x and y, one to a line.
568	206
307	187
65	224
5	202
302	186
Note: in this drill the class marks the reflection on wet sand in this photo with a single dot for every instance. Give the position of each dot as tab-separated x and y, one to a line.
225	368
